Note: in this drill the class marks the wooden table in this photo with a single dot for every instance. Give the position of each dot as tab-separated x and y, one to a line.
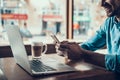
86	71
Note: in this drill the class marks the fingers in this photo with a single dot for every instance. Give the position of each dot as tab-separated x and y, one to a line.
63	42
72	49
63	49
67	45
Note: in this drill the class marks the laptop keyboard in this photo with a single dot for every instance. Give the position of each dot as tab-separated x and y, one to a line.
38	66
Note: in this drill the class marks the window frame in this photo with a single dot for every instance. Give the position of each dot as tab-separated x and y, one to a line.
69	15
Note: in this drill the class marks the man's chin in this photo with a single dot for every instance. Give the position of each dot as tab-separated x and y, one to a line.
110	15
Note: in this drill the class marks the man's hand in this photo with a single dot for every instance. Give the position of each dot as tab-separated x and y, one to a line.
74	51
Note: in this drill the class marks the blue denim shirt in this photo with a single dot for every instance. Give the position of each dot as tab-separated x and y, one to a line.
109	35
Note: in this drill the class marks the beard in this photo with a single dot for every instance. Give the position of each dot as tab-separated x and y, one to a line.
117	12
110	8
109	14
114	12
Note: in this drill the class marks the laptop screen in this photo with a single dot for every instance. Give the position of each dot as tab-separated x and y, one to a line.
17	46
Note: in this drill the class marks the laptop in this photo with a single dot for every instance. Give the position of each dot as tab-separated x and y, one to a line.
32	66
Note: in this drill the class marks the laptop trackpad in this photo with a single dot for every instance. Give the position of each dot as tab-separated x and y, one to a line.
57	65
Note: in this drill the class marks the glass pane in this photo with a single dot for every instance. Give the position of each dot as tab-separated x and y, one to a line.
40	17
88	16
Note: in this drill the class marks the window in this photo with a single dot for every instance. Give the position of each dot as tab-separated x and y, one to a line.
72	19
87	18
43	16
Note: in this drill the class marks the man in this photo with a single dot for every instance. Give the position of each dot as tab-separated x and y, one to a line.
108	34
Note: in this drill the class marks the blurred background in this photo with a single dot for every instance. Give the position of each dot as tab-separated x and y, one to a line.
36	18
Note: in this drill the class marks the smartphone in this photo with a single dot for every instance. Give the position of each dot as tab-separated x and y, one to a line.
55	38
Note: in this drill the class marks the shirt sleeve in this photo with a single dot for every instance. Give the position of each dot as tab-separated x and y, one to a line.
112	62
97	41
